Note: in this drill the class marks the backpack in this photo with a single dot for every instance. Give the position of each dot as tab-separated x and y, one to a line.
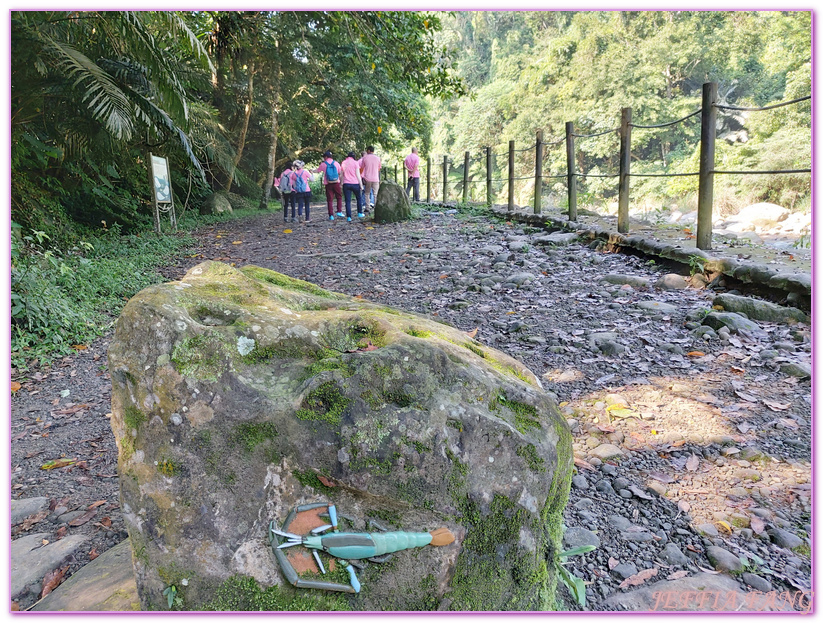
332	174
299	183
285	183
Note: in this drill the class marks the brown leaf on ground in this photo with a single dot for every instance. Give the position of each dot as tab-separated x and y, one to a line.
695	353
53	579
93	554
472	333
58	463
79	521
58	503
758	525
15	386
692	463
106	522
613	562
711	571
61	532
583	464
326	481
677	575
777	406
638	578
29	521
661	477
605	428
96	504
15	607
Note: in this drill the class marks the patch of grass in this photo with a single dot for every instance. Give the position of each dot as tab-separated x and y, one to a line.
529	454
244	594
133	417
168	467
419	333
286	282
249	435
330	363
326	403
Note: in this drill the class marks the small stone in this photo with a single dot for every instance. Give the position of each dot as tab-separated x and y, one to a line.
584	504
580	537
624	570
672	555
604	486
625	493
657	487
587	517
672	281
608	469
606	451
618	522
620	483
708	529
580	482
25	507
798	370
637	537
757	583
723	559
595	462
784	538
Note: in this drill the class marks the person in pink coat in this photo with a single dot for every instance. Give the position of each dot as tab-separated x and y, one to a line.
412	164
352	184
301	191
370	170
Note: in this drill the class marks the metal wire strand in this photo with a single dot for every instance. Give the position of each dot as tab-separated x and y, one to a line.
596	133
661	174
763	172
663	125
799	99
593	175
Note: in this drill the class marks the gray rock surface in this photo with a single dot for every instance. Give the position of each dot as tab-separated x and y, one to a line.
26	507
701	592
672	555
606	451
579	537
391	204
723	559
632	280
105	584
216	203
671	281
784	538
757	309
735	322
302	395
31	560
657	307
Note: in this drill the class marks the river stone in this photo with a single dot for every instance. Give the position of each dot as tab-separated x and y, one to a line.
700	592
756	582
723	559
556	239
391	204
632	280
671	281
759	310
606	451
25	507
579	537
31	560
735	322
799	370
105	584
784	538
672	555
657	307
302	395
216	203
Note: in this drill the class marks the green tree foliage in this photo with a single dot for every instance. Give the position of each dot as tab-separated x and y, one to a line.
531	71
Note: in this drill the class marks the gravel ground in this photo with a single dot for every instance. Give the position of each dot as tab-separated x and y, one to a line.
685	439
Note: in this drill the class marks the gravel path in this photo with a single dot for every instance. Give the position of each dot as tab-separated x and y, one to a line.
686	438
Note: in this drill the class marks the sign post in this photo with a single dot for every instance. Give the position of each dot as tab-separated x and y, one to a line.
162	193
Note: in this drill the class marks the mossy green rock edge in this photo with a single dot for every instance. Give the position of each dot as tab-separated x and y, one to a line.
239	394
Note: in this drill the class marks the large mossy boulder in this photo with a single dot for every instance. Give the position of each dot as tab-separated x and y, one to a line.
392	204
241	394
216	203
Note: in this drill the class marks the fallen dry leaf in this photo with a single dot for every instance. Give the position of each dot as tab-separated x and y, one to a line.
106	522
240	241
473	332
788	423
683	506
15	607
79	521
15	386
640	492
661	477
53	579
711	571
724	526
758	525
695	353
613	562
29	521
79	346
677	575
692	463
777	406
638	578
605	428
61	532
93	554
583	463
325	481
58	463
96	504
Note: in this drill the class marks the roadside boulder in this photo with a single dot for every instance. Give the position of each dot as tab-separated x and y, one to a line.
239	395
391	205
216	203
757	309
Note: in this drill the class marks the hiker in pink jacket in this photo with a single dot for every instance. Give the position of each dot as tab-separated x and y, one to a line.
352	184
330	169
300	180
370	170
412	163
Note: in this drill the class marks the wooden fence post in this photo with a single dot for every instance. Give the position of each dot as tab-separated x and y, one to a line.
571	176
428	179
511	176
466	178
625	166
445	178
538	173
705	193
489	176
395	174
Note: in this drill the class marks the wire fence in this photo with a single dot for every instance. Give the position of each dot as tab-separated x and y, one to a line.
496	175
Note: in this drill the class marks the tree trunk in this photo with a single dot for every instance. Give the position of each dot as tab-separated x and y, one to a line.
272	161
241	143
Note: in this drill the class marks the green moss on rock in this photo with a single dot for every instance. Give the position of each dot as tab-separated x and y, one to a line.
288	283
244	594
326	403
249	435
199	357
529	454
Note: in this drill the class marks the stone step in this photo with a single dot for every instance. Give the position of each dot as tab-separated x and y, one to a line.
105	584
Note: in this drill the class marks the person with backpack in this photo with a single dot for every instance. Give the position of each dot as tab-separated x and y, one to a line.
330	169
352	183
300	179
283	184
